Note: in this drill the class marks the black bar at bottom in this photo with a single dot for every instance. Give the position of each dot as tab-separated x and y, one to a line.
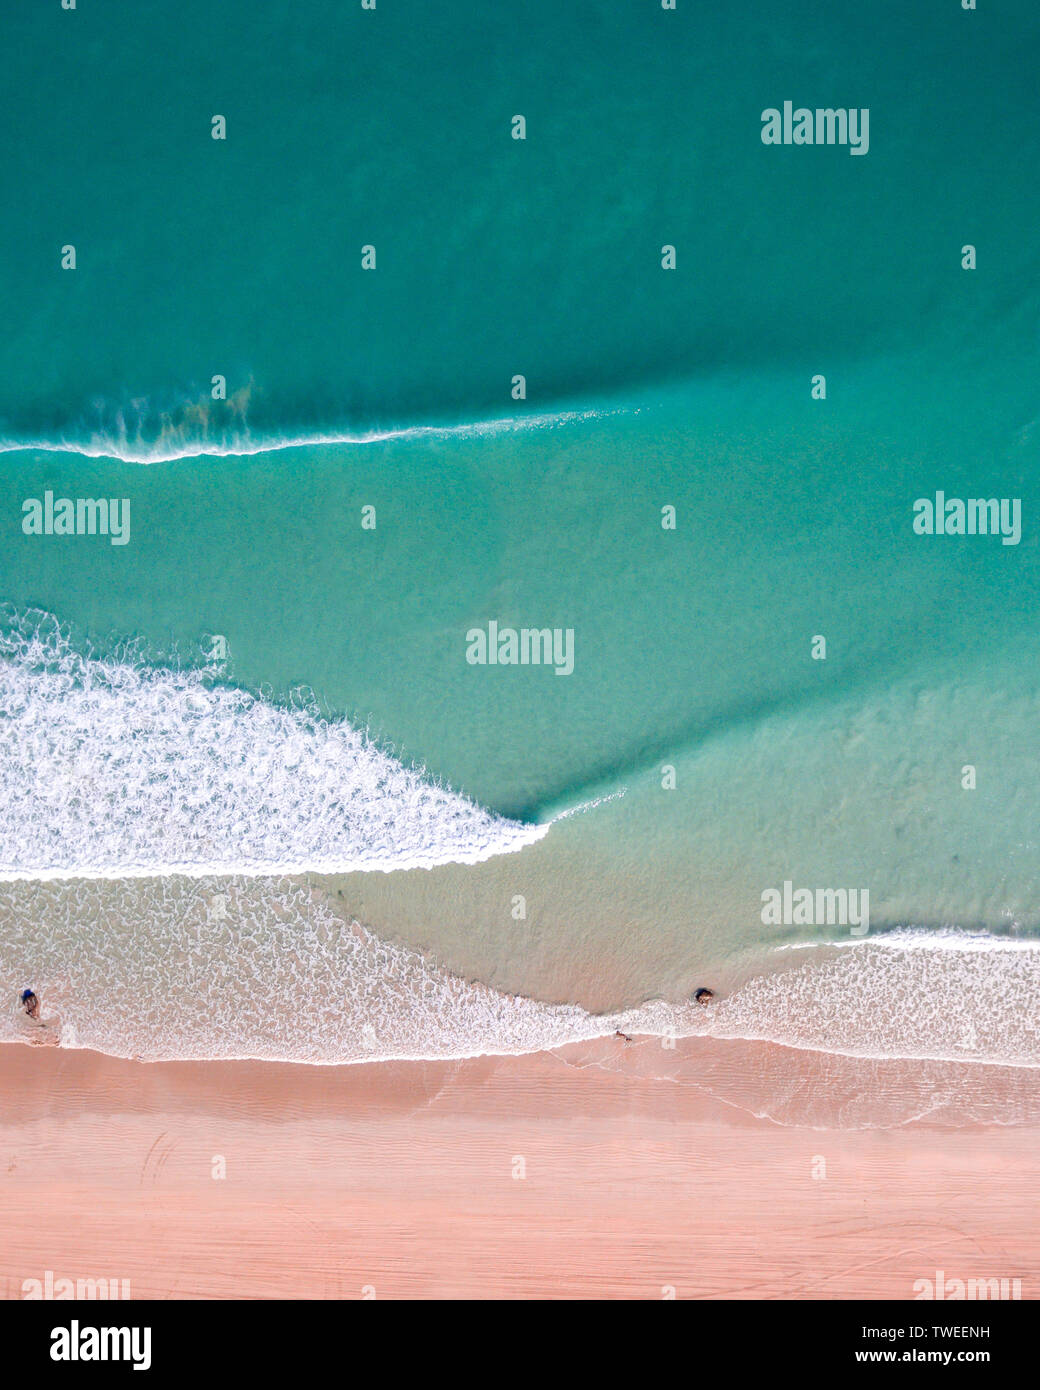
213	1339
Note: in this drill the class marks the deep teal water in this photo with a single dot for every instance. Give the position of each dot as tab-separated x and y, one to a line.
494	256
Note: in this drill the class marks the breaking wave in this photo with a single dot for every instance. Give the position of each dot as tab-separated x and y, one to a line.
113	768
195	436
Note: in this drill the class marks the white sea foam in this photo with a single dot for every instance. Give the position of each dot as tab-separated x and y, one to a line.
131	445
924	939
945	996
237	967
246	967
585	806
112	768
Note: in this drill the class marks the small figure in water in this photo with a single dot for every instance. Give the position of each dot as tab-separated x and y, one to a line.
31	1003
618	1034
704	995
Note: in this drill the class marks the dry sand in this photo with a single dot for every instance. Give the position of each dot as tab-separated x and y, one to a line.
403	1178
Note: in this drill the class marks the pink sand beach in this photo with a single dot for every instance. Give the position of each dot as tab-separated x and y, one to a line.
579	1174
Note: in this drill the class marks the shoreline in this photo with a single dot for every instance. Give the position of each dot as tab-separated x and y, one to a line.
837	1055
582	1173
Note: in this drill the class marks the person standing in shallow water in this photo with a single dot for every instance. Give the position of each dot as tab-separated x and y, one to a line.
30	1003
704	996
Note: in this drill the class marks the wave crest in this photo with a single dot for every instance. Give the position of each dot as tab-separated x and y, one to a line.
196	435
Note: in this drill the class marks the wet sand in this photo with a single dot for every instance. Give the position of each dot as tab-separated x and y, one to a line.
577	1174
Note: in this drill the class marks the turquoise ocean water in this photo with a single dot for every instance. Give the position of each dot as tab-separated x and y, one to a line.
243	756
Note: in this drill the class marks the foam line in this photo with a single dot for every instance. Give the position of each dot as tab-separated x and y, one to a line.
124	449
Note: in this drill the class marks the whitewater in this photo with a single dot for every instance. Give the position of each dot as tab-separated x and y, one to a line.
268	968
133	444
113	768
